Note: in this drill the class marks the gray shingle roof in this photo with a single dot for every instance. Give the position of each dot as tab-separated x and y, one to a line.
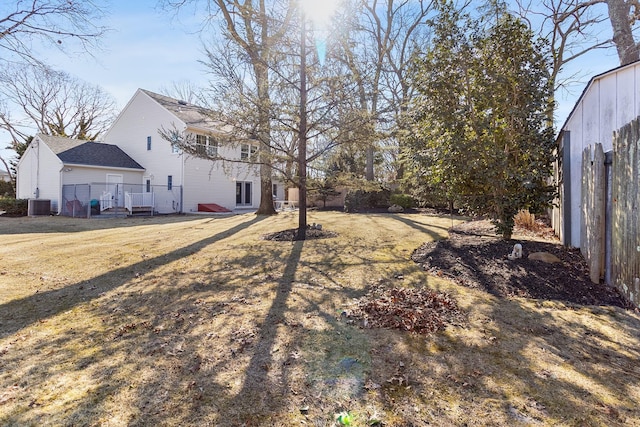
190	114
77	152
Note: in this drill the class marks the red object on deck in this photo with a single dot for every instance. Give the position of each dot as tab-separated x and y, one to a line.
211	207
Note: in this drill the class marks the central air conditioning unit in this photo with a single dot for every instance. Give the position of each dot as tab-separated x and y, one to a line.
38	207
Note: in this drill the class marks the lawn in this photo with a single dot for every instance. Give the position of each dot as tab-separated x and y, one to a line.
196	321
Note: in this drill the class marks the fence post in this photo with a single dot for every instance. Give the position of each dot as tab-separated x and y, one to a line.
625	256
593	196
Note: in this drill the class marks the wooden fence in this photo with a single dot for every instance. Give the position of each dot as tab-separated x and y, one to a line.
610	212
594	187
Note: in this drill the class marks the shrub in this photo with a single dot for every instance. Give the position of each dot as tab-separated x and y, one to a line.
404	200
525	220
6	189
356	200
14	207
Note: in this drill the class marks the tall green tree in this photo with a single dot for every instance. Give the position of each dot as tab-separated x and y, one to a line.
479	126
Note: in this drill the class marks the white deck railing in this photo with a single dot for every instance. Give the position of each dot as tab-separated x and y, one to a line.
106	201
138	200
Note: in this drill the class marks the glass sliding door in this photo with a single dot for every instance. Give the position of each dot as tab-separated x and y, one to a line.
243	194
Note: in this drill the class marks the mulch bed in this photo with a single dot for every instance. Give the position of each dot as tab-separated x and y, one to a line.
291	235
476	257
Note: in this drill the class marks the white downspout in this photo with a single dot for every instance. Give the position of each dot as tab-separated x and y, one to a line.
60	186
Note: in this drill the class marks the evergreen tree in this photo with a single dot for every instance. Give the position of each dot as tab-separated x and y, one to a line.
479	128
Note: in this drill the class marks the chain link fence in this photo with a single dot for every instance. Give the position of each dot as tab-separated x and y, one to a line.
109	199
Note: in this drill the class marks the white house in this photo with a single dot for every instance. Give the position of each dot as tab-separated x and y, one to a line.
609	101
135	161
50	163
231	185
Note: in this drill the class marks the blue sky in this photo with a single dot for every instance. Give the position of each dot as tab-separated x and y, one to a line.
150	48
146	48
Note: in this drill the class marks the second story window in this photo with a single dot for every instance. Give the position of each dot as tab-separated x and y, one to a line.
170	182
212	147
248	152
175	148
174	139
148	143
201	144
206	145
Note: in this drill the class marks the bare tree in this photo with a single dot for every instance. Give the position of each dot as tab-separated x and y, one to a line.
51	102
377	51
572	29
575	28
53	22
255	28
623	15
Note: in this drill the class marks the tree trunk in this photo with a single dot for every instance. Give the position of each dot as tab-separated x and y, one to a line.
369	169
302	136
619	15
266	194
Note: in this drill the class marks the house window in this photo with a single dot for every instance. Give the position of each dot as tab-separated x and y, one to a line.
206	146
148	186
201	144
212	147
243	194
169	182
175	143
275	190
148	143
248	152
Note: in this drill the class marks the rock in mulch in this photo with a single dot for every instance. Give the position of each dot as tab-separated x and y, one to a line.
544	257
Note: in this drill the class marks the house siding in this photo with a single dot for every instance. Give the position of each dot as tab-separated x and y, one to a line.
91	175
141	118
215	182
202	180
39	174
610	101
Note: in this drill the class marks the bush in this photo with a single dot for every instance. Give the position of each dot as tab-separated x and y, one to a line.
527	221
404	200
6	189
356	200
14	207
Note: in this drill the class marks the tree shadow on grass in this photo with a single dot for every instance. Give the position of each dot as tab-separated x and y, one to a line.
421	227
517	365
62	224
20	313
258	388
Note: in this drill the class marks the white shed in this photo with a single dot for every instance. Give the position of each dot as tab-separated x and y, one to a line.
609	101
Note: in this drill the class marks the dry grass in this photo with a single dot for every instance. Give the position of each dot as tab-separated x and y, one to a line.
195	321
